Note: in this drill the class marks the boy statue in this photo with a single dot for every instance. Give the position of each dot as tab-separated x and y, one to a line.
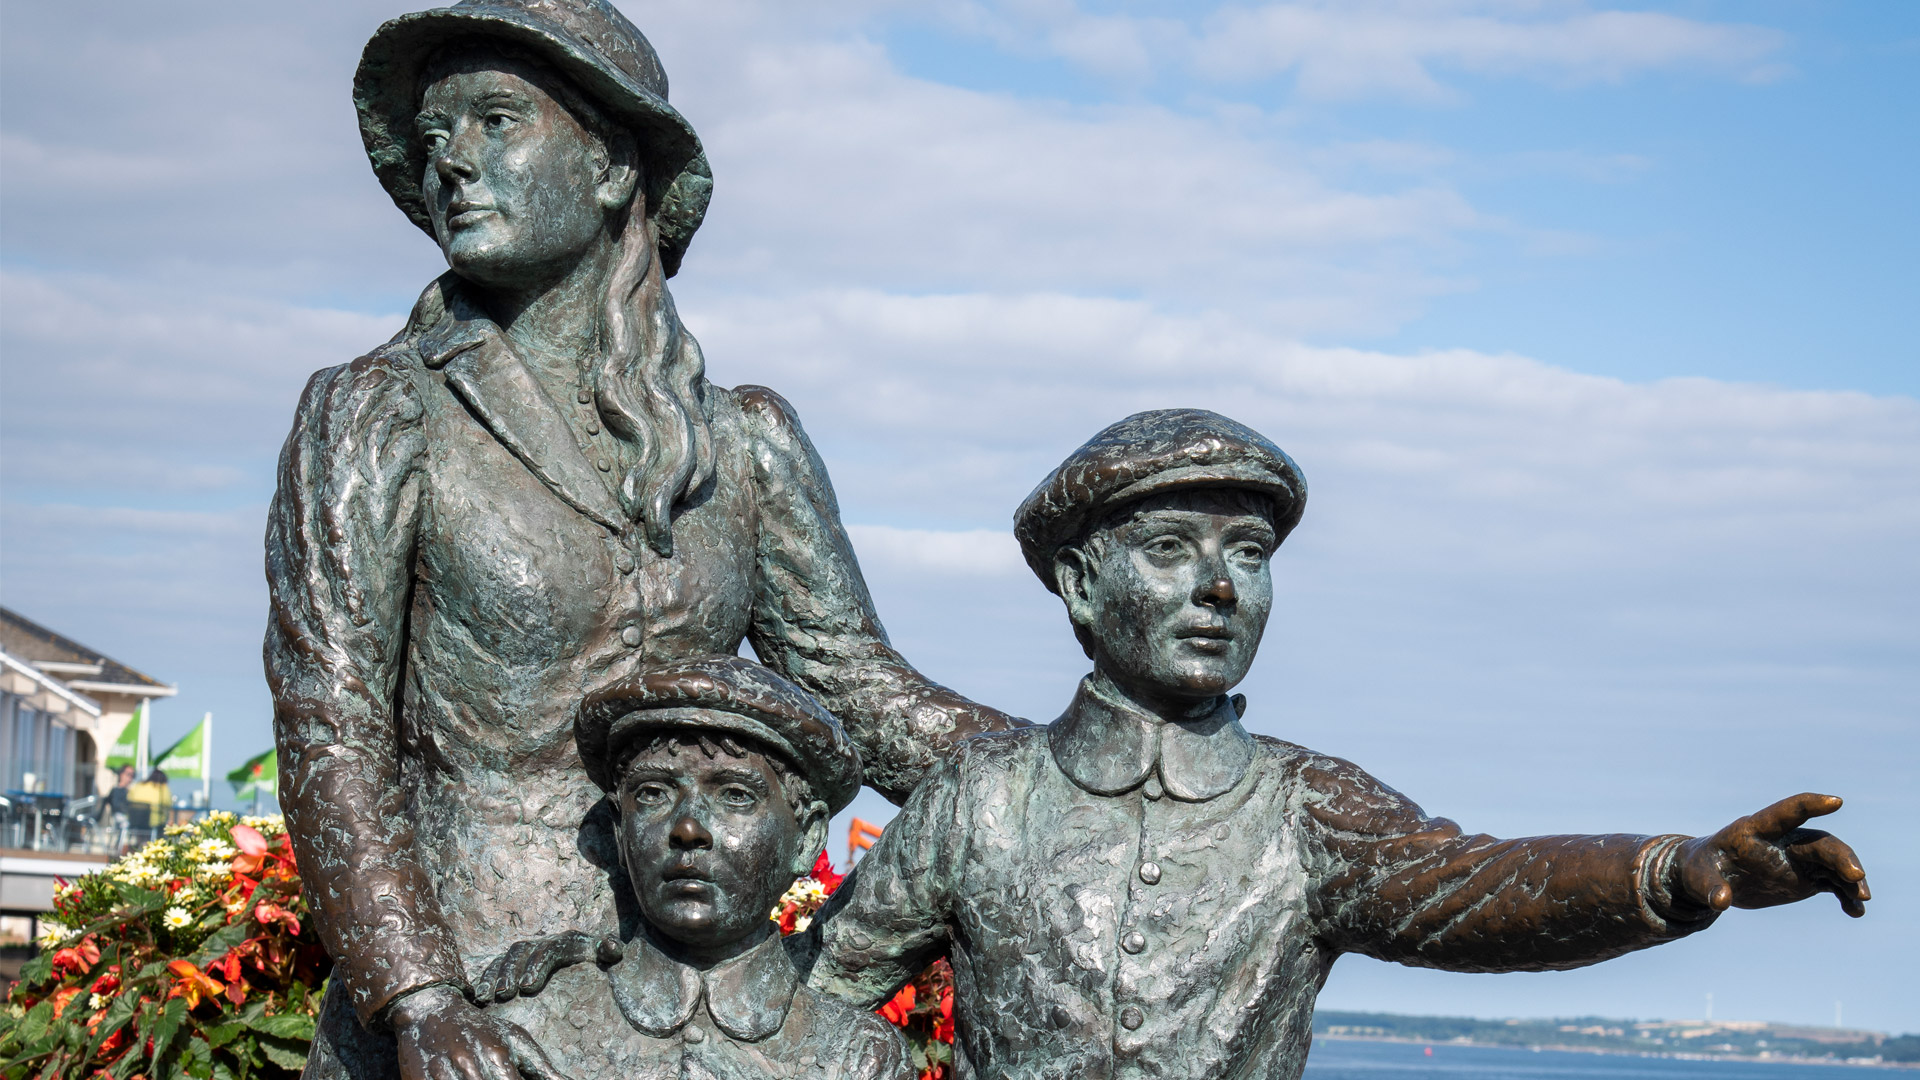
724	777
1143	889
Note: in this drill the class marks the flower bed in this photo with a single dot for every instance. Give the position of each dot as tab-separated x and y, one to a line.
192	957
922	1010
187	957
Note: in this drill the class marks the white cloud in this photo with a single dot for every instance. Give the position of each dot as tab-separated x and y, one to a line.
962	554
1380	48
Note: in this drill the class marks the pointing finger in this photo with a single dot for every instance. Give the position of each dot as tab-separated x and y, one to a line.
1790	813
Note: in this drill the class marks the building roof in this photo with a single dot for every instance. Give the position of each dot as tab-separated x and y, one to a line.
46	684
73	663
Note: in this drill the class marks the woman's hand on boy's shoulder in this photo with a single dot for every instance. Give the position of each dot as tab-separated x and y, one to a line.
523	970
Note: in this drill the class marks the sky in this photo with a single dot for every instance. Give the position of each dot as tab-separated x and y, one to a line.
1592	327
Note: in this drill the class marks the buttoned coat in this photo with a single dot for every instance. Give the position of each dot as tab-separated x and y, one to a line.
649	1017
1124	897
451	573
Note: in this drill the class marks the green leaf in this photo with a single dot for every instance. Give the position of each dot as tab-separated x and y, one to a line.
33	1026
37	970
166	1027
119	1011
286	1053
217	945
284	1026
219	1035
196	1060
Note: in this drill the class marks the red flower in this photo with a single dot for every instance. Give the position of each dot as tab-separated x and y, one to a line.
823	873
267	913
897	1010
943	1027
108	983
77	959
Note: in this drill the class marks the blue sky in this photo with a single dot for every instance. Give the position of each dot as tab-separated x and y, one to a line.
1593	328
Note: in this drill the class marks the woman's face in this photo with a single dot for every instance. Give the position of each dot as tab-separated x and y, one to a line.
513	182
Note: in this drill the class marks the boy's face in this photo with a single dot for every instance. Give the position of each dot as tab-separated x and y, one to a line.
710	844
1175	594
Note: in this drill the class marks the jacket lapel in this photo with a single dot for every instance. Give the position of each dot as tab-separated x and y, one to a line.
483	369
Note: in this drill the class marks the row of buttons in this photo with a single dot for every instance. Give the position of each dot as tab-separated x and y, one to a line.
585	397
1135	943
629	635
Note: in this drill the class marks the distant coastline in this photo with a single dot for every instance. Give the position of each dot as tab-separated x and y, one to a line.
1754	1042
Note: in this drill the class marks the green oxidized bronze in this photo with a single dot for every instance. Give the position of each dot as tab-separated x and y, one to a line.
531	493
724	777
532	498
1144	889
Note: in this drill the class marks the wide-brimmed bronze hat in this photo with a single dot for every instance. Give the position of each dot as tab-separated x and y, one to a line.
591	43
1146	454
724	694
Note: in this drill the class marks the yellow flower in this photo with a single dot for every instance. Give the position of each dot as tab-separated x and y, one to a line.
52	933
176	917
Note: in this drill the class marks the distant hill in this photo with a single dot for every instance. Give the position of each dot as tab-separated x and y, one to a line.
1708	1038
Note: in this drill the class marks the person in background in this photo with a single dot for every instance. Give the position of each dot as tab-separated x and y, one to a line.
147	804
114	808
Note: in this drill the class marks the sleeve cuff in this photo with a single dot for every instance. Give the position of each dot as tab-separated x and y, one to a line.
1663	906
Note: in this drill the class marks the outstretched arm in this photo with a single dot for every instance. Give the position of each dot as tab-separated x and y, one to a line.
1395	884
1769	858
814	621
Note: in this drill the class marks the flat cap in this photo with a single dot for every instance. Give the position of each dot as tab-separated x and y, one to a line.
724	694
1146	454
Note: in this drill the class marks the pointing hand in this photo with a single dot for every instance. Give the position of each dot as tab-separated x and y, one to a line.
1768	858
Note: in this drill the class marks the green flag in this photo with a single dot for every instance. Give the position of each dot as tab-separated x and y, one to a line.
127	749
261	773
187	759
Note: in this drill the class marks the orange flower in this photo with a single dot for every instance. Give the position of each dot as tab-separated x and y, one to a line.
191	983
61	997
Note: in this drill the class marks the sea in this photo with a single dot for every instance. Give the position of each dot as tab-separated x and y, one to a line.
1346	1059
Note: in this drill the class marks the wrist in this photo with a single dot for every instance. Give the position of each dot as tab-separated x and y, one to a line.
415	1005
1668	884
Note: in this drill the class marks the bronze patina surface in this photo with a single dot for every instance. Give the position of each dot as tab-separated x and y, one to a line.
1144	889
530	493
723	777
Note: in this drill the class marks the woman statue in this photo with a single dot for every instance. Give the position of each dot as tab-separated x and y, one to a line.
529	493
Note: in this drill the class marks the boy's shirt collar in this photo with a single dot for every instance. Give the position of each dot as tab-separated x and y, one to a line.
747	996
1107	746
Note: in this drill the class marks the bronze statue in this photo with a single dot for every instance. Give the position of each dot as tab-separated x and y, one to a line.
724	777
1145	889
531	492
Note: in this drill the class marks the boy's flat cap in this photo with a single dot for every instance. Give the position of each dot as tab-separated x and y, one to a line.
1146	454
725	694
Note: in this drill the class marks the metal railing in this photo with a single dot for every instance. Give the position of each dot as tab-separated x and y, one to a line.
41	822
